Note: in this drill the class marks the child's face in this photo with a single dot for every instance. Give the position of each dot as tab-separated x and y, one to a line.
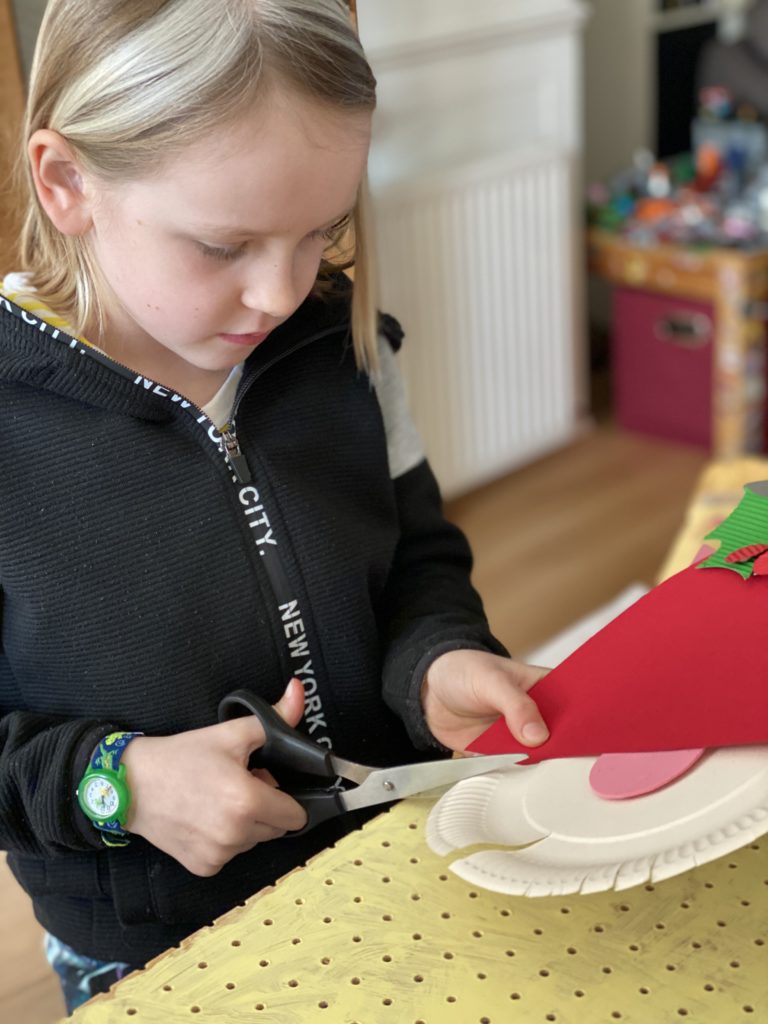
224	243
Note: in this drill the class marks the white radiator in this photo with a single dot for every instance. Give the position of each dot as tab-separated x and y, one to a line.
477	264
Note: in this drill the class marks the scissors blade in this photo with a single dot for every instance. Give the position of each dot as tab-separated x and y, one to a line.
386	784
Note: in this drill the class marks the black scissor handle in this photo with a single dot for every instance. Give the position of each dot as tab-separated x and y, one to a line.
289	748
283	745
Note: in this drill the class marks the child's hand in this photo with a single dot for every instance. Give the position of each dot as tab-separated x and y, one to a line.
193	797
465	691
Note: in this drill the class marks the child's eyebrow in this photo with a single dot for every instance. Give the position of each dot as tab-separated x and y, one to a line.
238	231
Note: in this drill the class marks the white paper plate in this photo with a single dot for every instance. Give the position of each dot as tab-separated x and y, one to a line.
569	840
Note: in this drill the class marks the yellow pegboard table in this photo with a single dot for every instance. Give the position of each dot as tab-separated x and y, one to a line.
378	930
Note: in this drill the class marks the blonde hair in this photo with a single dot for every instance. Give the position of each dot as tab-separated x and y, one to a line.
128	84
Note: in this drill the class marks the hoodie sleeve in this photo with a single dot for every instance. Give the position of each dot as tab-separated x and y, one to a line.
429	605
42	759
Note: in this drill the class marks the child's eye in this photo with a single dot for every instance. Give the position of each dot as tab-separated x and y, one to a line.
224	253
333	233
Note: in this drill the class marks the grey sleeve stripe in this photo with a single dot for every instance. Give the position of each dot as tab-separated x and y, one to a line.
404	445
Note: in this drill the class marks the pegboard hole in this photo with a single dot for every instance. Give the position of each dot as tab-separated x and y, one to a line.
259	1006
235	942
616	1015
472	895
565	910
167	988
671	967
748	1009
722	924
481	976
644	991
323	1004
551	1016
268	922
299	901
202	965
509	952
230	985
447	956
734	963
387	958
538	931
745	903
386	842
357	899
325	961
293	983
296	941
599	929
607	970
194	1009
759	942
695	945
634	948
386	879
485	1020
571	951
579	993
357	938
386	917
543	973
416	936
328	881
624	907
354	981
685	905
418	978
445	915
660	926
450	999
505	913
682	1012
477	935
131	1011
386	1002
415	896
709	988
514	995
358	863
263	963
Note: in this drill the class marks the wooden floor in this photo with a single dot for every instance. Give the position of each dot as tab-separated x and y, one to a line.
552	541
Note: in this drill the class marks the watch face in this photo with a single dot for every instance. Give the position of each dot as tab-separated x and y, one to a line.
101	797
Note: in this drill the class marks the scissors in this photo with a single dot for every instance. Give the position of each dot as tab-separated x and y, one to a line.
286	747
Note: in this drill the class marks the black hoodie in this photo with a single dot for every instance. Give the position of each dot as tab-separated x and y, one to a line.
144	575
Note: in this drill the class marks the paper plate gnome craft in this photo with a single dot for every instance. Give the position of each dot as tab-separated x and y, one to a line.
658	753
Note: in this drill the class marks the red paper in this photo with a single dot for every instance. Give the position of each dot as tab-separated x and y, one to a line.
685	666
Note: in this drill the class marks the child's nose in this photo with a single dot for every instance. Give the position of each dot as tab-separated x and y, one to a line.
271	289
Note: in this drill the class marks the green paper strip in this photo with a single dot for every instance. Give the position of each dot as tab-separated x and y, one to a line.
747	524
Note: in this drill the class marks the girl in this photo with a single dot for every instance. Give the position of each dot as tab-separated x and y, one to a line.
210	480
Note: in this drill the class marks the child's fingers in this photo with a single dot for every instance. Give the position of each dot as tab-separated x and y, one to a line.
523	718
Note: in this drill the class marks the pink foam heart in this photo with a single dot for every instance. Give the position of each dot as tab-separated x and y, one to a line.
623	776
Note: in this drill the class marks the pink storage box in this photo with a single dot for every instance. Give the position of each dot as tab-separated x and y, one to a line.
662	354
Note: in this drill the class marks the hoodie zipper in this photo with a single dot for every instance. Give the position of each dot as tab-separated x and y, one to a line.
231	444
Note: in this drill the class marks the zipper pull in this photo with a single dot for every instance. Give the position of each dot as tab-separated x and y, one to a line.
234	455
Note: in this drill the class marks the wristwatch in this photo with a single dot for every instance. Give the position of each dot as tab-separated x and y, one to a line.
103	793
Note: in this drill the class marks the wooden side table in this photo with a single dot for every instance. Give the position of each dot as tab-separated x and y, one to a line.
378	929
736	284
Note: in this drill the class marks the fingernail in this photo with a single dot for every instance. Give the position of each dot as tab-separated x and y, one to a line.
534	732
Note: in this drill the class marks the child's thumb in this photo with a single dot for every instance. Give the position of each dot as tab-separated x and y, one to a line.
290	707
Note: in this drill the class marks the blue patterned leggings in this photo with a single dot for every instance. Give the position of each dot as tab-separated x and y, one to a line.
81	977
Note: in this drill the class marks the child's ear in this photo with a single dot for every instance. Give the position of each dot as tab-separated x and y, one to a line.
59	182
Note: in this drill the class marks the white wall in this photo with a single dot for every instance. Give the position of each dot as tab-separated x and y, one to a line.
27	15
